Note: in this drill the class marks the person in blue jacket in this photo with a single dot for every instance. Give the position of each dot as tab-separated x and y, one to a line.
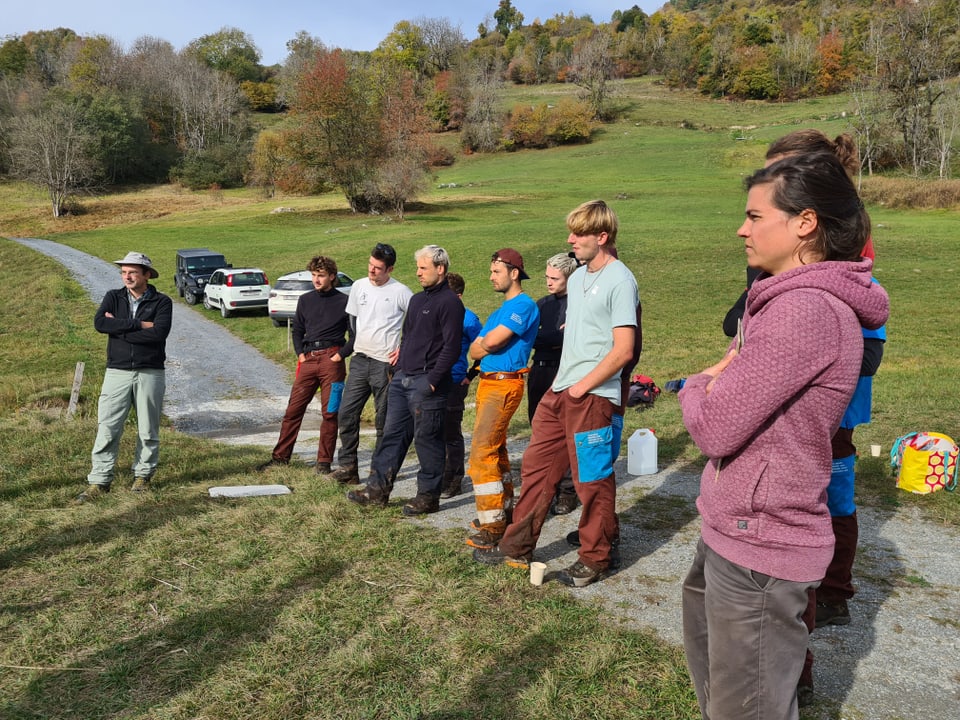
454	470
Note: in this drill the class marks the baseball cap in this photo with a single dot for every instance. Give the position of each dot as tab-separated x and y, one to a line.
513	258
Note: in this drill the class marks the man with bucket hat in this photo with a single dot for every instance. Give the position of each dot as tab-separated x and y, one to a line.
136	319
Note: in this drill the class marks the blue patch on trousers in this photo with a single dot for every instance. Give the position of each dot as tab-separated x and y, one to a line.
336	393
594	453
840	490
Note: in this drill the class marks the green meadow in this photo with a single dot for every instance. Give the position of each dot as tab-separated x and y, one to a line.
178	607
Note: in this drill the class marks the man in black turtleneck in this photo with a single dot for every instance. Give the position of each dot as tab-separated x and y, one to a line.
320	327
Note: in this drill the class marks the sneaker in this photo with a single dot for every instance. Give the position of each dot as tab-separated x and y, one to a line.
580	575
484	540
421	505
832	614
91	494
272	462
452	487
564	504
346	475
367	497
140	484
322	468
494	556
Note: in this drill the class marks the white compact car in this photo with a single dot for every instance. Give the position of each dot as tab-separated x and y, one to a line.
233	289
288	289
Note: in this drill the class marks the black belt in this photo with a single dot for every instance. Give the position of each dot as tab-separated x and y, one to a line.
320	345
546	363
503	375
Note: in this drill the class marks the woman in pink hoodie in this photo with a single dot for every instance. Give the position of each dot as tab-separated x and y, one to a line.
764	416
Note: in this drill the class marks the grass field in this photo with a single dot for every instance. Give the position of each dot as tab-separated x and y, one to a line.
177	607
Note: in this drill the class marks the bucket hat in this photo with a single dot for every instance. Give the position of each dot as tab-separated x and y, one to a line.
135	258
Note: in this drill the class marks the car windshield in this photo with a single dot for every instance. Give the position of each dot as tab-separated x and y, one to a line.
294	285
243	279
206	267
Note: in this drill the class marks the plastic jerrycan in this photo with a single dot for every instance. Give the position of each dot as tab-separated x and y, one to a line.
642	452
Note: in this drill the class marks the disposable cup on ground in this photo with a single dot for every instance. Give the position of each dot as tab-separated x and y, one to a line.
875	450
537	569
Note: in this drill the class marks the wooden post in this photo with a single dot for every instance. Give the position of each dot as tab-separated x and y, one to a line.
75	392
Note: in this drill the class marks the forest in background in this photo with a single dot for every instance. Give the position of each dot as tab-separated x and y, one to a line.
81	114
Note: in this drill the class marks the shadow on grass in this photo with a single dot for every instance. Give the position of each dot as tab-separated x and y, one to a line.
147	670
101	523
496	688
197	467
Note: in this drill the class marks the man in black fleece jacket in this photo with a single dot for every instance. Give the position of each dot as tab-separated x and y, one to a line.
136	319
417	397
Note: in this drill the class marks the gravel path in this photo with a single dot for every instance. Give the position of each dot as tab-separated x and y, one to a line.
899	658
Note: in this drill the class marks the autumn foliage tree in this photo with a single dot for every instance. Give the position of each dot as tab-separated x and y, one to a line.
360	128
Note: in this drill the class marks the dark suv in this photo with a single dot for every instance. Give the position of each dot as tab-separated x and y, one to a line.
194	268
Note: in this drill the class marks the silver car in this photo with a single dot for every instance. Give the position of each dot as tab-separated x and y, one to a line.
287	291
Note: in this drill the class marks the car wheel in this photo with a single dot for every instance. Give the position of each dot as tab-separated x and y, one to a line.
278	323
189	297
224	312
206	303
180	290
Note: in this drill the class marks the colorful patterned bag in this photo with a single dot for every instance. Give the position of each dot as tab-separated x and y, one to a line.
924	462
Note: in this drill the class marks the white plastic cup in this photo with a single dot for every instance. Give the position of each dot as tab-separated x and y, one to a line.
875	450
537	569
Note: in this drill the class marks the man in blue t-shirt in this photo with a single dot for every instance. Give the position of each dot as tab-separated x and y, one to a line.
503	349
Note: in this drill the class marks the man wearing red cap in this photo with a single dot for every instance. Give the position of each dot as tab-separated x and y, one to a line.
503	349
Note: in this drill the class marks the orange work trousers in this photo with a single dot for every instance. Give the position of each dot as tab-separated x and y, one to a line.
497	401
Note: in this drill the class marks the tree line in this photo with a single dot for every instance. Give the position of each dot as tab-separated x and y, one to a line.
78	113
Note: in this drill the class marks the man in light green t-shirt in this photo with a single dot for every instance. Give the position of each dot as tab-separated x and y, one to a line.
576	421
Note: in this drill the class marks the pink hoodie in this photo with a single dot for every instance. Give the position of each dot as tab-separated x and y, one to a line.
767	423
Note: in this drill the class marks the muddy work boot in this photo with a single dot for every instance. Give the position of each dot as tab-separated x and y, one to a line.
368	497
140	485
564	504
832	614
272	463
484	540
452	486
421	505
495	556
580	575
91	494
346	475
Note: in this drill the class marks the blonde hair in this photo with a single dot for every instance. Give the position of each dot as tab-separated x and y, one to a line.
592	218
564	263
438	256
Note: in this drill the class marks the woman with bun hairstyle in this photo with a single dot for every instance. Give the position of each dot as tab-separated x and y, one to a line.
764	417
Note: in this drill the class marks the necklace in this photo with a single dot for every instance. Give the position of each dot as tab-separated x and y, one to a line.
587	288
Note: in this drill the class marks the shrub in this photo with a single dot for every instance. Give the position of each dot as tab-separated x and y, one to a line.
221	165
439	156
543	126
910	193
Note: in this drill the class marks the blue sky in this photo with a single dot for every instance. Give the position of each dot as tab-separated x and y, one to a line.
352	24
